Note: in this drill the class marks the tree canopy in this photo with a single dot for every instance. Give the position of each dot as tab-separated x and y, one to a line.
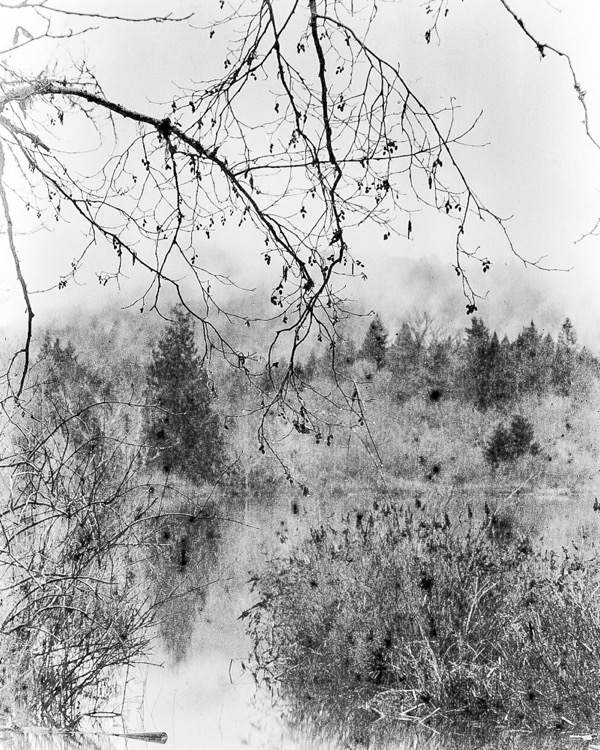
306	139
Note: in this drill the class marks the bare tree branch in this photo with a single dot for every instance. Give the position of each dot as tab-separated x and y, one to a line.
342	143
25	350
542	48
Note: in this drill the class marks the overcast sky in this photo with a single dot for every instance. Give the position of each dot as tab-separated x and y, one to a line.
529	159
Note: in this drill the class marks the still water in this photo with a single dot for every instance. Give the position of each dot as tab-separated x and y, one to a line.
206	700
202	696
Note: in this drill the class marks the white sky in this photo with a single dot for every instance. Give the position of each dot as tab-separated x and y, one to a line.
536	164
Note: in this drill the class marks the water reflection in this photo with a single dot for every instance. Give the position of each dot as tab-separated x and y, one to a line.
208	700
39	738
180	574
267	733
198	691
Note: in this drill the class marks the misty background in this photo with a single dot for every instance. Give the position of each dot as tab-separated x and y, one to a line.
529	158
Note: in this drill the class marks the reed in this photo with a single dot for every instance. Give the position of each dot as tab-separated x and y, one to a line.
403	616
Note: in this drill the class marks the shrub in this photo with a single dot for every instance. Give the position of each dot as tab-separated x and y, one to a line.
74	607
400	617
510	443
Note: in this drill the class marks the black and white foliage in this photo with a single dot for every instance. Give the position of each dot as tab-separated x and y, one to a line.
308	139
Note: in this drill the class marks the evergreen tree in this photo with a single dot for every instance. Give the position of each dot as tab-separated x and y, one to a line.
181	428
69	392
528	361
565	361
439	368
499	385
405	352
505	374
546	358
374	348
510	443
404	360
476	363
68	379
568	335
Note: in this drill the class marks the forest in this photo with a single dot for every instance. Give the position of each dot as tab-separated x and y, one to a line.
441	496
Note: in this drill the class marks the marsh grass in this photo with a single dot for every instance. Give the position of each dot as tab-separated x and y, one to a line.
402	616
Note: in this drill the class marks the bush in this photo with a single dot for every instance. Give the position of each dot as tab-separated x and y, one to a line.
508	444
399	617
76	526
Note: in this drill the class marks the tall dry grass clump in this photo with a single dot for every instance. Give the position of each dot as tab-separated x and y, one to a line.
402	616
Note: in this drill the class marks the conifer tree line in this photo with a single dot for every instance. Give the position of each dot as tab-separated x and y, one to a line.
180	427
478	367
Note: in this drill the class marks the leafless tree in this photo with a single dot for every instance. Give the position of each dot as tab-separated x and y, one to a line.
341	141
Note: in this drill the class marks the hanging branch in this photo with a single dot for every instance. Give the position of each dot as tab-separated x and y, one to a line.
543	48
25	350
340	143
